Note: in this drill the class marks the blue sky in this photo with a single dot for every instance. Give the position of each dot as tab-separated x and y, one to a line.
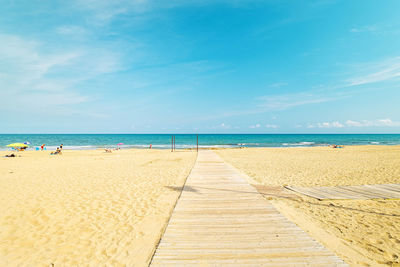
152	66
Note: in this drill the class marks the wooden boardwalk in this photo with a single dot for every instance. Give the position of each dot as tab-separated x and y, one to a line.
384	191
220	220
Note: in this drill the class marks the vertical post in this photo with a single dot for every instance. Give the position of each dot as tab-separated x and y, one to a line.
197	143
172	143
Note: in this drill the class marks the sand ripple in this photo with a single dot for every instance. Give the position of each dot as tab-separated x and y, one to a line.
86	207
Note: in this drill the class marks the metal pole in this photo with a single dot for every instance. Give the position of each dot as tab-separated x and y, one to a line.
197	143
172	143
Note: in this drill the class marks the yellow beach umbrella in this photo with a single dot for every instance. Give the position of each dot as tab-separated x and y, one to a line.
17	145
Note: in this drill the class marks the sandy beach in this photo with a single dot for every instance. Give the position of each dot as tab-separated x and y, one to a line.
362	232
91	207
87	207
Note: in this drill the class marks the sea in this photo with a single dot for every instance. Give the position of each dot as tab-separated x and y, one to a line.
185	141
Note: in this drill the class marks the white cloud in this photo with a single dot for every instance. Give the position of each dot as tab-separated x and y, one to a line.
352	123
334	124
373	123
255	126
273	126
357	123
222	125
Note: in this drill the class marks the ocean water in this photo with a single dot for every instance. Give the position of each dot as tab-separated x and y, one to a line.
163	141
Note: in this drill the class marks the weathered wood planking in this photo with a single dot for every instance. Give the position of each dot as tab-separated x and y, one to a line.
220	220
384	191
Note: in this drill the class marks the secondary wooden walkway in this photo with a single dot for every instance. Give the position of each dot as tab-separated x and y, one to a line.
220	220
384	191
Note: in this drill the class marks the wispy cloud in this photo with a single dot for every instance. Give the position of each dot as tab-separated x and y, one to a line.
278	84
362	74
374	72
273	126
37	78
368	28
104	11
368	73
372	123
222	125
255	126
286	101
352	123
334	124
73	31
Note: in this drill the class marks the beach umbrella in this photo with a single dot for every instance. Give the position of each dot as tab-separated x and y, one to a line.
119	144
17	145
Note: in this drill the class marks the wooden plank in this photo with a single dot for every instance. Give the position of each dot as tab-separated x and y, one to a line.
363	190
394	186
335	193
390	187
351	194
308	191
220	220
384	191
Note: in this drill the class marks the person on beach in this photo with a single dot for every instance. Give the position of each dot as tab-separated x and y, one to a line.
150	146
61	146
42	147
57	152
12	155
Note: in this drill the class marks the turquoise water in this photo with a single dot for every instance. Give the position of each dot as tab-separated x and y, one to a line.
93	141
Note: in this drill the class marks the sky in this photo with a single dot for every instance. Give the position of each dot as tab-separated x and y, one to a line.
199	66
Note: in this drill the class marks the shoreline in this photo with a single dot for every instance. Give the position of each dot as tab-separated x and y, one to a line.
186	147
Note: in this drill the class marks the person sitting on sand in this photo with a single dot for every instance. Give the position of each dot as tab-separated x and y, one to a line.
12	155
57	152
108	150
337	146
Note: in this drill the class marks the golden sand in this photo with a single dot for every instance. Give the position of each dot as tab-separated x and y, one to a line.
362	232
87	207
